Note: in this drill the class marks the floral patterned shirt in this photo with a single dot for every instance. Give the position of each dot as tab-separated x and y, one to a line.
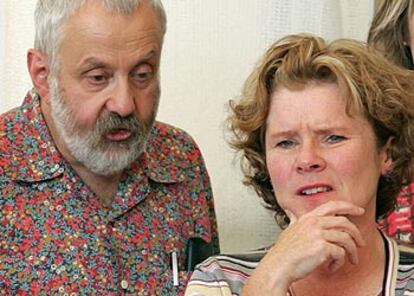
55	238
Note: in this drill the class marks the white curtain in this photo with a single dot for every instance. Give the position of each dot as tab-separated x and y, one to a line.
16	36
210	48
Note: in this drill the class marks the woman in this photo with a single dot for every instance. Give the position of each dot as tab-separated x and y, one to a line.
392	32
326	135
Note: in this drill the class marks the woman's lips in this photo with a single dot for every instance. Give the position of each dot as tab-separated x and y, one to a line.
119	135
313	190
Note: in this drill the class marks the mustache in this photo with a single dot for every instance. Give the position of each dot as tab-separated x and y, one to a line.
110	122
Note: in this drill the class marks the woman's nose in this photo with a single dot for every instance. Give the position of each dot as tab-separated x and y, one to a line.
310	160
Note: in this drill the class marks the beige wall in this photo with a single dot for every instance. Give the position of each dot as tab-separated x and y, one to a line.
209	49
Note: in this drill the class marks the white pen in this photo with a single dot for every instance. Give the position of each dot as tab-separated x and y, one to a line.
174	265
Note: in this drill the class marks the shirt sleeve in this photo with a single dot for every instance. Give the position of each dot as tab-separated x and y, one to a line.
208	283
214	237
221	275
204	213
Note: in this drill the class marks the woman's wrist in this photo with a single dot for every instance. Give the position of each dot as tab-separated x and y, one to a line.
267	281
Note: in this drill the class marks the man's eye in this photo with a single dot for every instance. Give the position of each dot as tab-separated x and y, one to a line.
142	73
286	144
335	138
97	78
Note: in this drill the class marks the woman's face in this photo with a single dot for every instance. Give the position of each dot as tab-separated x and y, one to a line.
315	152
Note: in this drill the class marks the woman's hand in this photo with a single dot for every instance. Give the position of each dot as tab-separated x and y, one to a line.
323	236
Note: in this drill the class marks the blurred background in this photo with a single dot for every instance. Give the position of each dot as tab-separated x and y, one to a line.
210	48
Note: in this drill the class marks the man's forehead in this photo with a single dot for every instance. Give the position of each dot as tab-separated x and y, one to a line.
94	14
95	23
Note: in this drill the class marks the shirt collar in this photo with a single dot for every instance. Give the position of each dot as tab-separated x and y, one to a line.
30	155
27	147
392	262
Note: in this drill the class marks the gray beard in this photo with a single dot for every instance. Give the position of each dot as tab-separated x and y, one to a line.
91	147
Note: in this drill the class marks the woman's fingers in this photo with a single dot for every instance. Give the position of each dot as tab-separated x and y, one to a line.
338	258
342	223
324	237
337	208
345	241
332	223
326	229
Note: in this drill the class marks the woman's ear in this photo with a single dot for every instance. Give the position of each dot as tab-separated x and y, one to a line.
38	66
387	162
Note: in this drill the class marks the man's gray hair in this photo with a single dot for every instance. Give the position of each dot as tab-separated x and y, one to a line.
51	16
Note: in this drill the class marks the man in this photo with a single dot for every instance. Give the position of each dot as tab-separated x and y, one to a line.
95	195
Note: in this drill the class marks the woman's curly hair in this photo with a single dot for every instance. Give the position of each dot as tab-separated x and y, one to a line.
372	86
389	31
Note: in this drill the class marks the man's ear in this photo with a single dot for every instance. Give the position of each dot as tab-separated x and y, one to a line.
38	66
387	162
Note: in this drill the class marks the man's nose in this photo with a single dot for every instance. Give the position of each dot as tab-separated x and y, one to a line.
310	159
122	99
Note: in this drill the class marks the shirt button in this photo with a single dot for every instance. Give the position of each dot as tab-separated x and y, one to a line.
124	284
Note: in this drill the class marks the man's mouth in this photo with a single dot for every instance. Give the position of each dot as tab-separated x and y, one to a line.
314	190
119	135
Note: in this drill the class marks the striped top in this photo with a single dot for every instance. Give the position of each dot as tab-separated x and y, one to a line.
226	275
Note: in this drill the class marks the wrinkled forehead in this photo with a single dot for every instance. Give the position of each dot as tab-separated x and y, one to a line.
352	108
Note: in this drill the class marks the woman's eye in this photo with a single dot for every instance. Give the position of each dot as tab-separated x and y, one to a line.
335	139
286	144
